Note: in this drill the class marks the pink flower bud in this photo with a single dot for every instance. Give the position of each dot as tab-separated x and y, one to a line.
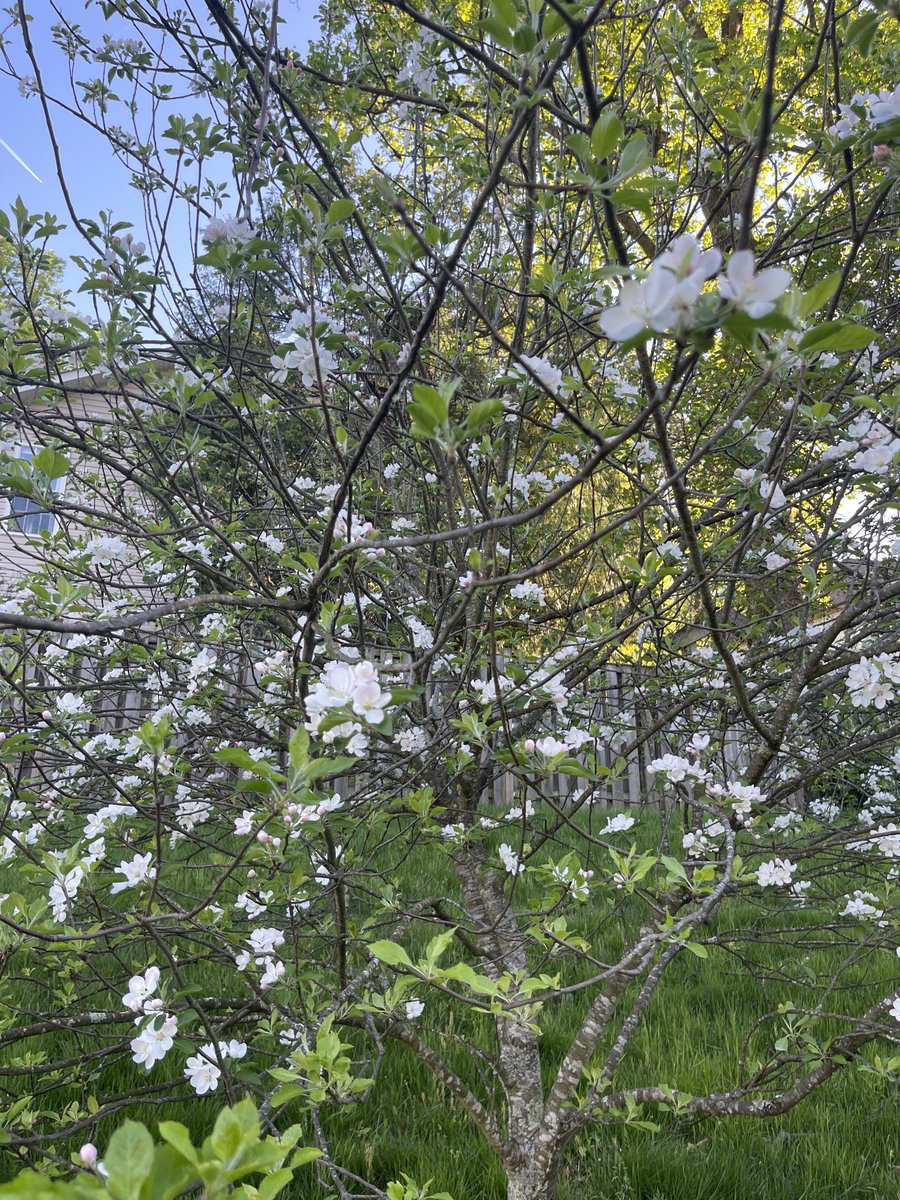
251	874
46	715
529	745
881	154
88	1154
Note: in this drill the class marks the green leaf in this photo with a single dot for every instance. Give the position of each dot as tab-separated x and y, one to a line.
505	13
673	866
465	974
339	211
275	1183
571	766
238	757
390	953
628	198
554	23
697	949
606	134
324	768
635	157
304	1155
169	1177
819	294
744	329
227	1137
428	411
438	944
128	1160
481	412
837	335
298	748
51	463
861	32
285	1094
177	1136
499	31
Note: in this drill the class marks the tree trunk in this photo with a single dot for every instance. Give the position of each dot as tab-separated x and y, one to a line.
531	1181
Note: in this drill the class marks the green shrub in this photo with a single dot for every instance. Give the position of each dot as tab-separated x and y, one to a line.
136	1168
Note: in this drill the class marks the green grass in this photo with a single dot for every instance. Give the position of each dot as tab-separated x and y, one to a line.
841	1144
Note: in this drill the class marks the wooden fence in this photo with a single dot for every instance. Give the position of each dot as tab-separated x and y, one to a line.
616	700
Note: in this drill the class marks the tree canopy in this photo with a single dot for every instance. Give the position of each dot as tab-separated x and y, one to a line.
496	410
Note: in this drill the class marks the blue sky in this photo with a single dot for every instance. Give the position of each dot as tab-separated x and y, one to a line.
95	179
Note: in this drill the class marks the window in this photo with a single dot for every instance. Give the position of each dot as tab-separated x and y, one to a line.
28	516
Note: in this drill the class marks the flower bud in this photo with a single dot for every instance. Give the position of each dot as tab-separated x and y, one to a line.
881	154
88	1154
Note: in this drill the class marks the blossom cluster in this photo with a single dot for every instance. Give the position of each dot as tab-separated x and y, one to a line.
779	872
263	943
157	1027
353	688
511	861
872	108
313	361
665	300
203	1071
871	681
871	444
543	370
227	229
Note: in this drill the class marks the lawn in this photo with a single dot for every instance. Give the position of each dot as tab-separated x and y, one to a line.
842	1144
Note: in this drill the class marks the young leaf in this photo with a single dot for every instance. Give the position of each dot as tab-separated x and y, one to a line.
836	336
863	30
819	294
428	411
128	1160
481	412
51	463
339	211
298	748
390	953
177	1135
635	157
606	134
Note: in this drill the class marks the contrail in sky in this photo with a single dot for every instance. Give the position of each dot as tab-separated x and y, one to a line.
20	161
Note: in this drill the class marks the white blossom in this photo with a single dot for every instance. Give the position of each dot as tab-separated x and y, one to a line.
510	860
202	1072
665	299
753	292
776	873
140	988
154	1041
136	872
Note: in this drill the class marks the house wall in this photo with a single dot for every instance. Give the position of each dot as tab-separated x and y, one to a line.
21	553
